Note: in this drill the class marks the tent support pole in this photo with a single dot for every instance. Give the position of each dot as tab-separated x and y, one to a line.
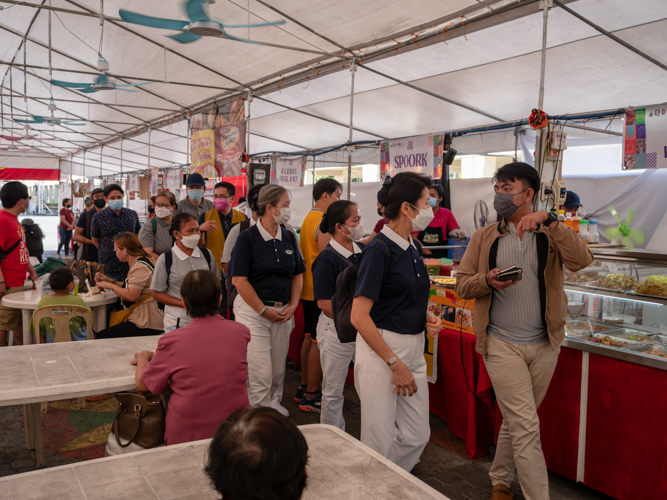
543	133
353	69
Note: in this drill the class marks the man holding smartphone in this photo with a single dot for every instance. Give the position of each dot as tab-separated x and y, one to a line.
519	323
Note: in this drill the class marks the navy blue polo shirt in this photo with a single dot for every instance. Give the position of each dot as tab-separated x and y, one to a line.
329	264
392	274
268	263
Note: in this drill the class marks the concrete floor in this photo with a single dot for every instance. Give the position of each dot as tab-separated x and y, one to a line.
444	465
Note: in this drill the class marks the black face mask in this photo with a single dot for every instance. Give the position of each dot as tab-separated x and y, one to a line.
380	212
151	210
100	203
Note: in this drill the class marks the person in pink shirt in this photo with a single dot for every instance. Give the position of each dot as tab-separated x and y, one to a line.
204	363
442	227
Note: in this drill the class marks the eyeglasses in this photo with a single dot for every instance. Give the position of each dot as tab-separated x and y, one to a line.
162	206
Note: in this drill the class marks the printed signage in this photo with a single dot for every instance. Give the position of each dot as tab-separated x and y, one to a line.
645	140
288	172
422	154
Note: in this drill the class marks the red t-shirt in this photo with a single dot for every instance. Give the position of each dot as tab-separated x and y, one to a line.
381	223
15	266
69	217
444	218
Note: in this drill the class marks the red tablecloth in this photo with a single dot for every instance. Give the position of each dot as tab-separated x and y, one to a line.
626	429
462	394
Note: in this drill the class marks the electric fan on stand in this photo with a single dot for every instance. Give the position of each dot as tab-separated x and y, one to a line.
481	214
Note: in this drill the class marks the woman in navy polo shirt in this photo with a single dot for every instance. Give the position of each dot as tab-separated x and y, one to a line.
389	312
343	222
266	269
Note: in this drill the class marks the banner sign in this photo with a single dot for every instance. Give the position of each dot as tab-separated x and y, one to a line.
422	154
91	185
288	173
202	158
431	356
645	141
154	182
220	141
173	179
133	182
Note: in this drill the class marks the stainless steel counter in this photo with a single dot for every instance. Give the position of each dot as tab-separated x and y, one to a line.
616	353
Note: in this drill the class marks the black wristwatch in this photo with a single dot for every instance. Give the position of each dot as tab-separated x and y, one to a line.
551	218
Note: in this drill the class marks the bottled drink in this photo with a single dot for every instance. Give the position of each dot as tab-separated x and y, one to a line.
561	215
593	235
568	220
575	223
583	231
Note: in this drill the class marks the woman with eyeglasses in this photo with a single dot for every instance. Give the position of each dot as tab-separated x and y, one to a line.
173	265
155	235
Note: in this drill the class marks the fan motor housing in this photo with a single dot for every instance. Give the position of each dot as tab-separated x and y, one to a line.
105	85
205	28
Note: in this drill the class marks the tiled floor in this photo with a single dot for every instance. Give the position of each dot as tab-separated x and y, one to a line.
72	435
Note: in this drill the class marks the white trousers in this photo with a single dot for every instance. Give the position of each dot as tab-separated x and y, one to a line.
397	427
335	358
172	315
267	350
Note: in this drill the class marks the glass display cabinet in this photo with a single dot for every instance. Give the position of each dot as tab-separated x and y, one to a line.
617	307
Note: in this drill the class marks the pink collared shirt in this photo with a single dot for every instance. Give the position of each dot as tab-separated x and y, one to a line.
205	364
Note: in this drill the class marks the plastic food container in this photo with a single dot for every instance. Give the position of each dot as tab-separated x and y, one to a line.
593	235
446	267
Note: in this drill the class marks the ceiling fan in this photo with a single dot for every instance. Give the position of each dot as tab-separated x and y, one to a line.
15	149
102	82
199	23
51	120
26	136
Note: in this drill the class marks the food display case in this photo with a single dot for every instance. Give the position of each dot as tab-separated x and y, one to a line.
617	307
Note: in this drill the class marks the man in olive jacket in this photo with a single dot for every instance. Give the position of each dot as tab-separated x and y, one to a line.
519	325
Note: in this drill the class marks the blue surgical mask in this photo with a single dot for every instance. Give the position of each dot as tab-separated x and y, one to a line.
196	194
433	202
116	204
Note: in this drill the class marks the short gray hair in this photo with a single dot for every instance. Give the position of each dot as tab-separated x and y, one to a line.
89	201
269	195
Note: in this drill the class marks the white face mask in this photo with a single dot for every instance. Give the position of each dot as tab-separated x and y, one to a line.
284	217
423	219
356	233
190	241
162	212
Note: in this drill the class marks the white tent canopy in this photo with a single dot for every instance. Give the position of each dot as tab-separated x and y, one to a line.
469	63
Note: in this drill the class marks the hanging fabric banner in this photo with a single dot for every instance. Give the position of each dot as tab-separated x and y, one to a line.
91	185
645	142
133	182
219	141
288	172
154	181
203	151
173	179
422	154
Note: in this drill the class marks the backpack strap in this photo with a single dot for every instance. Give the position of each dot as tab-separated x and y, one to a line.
243	225
146	262
347	261
207	255
154	225
168	261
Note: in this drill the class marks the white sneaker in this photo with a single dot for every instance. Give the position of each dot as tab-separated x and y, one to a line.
281	409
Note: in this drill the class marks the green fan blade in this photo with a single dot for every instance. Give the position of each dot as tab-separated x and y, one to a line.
615	214
628	219
612	232
637	236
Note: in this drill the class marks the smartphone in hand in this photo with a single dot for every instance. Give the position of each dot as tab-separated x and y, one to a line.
511	273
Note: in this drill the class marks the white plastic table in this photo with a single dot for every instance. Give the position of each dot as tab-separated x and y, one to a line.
27	301
339	467
31	374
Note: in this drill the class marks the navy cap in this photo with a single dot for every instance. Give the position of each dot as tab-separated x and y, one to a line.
195	180
572	200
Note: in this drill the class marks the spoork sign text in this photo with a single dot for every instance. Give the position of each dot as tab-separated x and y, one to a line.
411	161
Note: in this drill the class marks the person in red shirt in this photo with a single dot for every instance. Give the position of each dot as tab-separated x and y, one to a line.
66	226
16	261
442	227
